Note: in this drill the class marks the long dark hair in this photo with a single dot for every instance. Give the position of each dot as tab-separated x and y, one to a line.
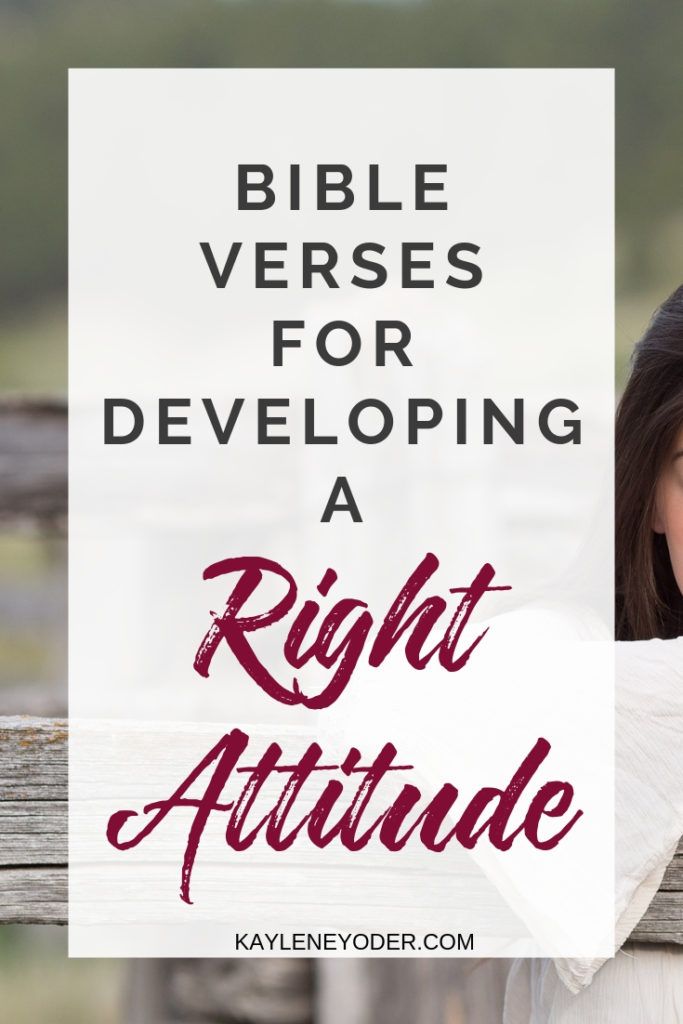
650	414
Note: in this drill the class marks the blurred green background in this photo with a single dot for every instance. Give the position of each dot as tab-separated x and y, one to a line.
40	39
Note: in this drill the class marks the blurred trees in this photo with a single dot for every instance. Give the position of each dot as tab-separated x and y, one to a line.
40	39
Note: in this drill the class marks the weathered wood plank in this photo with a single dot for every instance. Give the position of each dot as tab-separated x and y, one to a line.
33	829
30	894
673	879
663	921
33	833
33	759
33	459
33	820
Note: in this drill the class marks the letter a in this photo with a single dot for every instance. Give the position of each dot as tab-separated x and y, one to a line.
341	489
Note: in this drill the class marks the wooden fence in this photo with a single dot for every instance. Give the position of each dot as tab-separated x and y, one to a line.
33	846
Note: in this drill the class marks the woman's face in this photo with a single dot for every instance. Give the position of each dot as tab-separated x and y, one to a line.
668	516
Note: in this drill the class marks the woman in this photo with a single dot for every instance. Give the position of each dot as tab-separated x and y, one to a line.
649	483
642	984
